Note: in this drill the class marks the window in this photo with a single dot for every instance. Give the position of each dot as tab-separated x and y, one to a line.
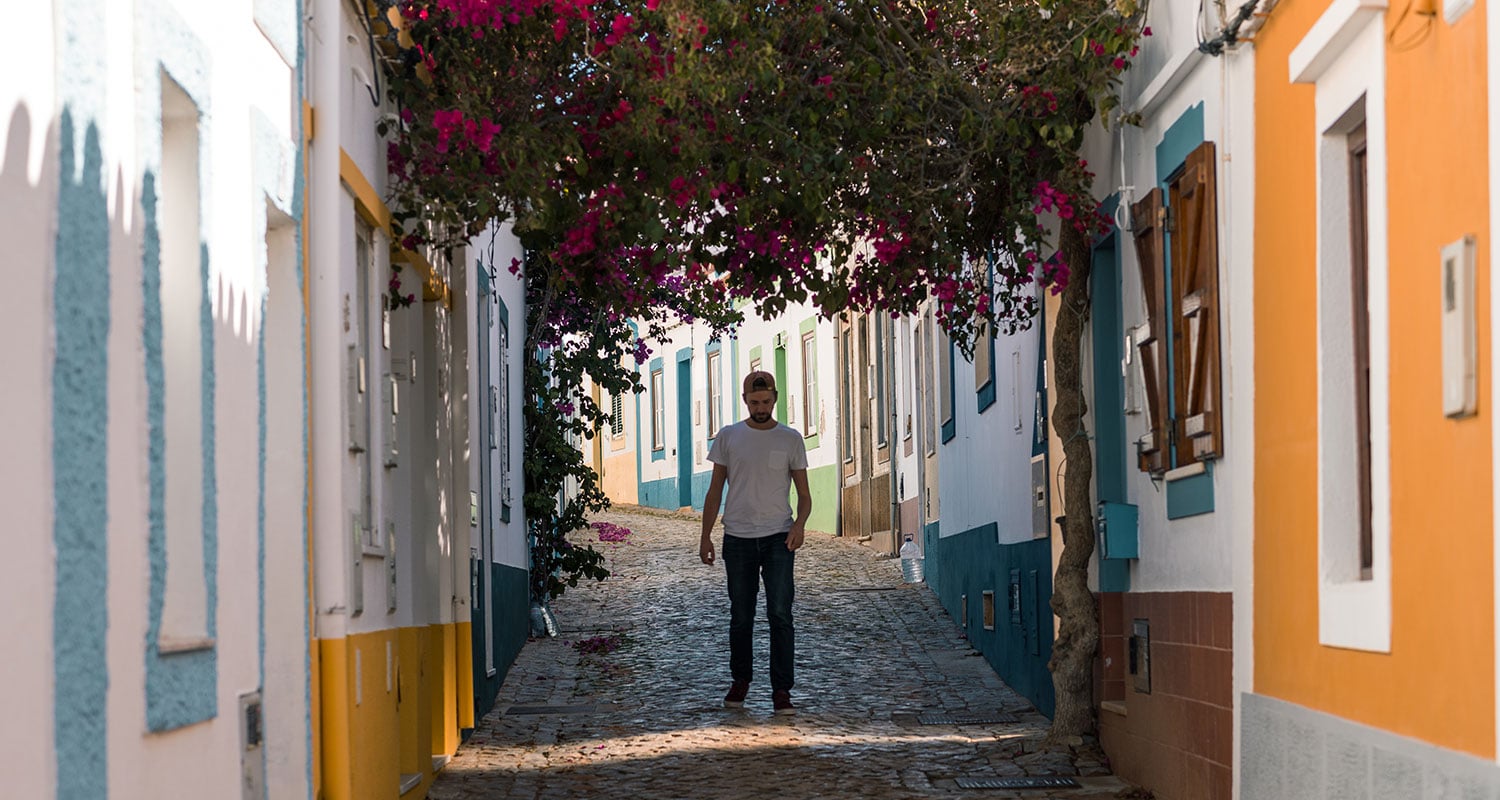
1015	390
502	391
185	349
809	384
1176	241
846	405
926	354
1359	307
1343	55
984	351
945	385
360	379
715	393
616	414
658	412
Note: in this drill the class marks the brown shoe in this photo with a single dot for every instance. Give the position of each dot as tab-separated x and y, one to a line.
736	696
781	700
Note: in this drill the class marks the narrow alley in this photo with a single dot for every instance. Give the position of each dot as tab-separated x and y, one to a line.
645	719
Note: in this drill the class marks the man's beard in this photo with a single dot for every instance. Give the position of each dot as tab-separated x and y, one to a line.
761	419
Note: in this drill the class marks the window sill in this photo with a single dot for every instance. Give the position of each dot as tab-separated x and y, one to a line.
169	645
1196	468
1114	707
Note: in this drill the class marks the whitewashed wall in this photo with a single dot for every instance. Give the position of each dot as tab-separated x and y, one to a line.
1193	553
986	467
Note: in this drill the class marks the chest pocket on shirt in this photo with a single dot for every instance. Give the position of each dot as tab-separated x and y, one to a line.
777	460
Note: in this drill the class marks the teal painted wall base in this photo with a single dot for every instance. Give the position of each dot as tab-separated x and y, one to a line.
510	618
659	494
1020	575
700	488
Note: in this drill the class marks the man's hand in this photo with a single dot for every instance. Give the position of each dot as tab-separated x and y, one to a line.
706	550
795	535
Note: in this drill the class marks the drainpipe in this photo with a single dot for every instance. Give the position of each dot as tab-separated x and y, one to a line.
919	343
329	687
326	394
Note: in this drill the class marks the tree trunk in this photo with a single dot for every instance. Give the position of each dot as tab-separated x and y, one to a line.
1072	662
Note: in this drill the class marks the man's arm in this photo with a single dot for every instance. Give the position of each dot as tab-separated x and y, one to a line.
804	510
711	511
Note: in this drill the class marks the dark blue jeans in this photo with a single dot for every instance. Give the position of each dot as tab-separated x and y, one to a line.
748	561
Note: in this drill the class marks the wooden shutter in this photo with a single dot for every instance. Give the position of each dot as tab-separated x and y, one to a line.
1147	224
1195	325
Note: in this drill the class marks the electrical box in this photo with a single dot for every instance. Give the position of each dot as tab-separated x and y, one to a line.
1041	520
252	750
1460	381
1119	530
1140	655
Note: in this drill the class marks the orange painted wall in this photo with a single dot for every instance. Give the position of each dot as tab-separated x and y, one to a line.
1438	682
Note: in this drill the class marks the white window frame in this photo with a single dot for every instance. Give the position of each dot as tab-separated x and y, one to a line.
658	411
1343	56
810	383
715	392
184	613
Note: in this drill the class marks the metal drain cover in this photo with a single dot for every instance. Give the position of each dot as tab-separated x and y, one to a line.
515	711
998	718
1034	782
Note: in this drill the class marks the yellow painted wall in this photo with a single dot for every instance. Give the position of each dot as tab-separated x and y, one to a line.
369	743
620	476
1437	684
443	657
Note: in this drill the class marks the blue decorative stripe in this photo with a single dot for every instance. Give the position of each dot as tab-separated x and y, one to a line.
1191	496
657	453
80	490
1180	139
298	207
181	688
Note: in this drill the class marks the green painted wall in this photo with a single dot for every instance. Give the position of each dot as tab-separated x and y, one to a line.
824	483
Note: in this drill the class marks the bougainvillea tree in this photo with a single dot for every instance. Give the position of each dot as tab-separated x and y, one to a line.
670	158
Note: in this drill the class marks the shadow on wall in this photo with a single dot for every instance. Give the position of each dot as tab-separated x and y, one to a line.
75	226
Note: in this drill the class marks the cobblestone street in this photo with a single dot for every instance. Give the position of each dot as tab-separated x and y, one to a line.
646	720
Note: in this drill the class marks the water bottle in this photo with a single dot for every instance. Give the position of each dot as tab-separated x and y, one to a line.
911	562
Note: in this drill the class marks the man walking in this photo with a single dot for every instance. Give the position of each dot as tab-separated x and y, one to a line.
760	459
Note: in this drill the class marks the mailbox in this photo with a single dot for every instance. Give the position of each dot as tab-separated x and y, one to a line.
1119	530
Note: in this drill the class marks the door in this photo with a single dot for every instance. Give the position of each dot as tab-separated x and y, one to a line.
685	431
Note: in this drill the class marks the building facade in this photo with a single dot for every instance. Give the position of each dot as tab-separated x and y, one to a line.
266	557
969	462
156	578
1374	664
692	383
1169	392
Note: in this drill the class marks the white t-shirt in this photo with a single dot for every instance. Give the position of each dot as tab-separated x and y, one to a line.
760	467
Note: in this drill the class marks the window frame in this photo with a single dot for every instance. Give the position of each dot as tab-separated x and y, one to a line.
715	391
846	408
1343	56
809	384
658	411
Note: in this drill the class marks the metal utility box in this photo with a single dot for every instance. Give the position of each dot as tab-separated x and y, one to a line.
1119	530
